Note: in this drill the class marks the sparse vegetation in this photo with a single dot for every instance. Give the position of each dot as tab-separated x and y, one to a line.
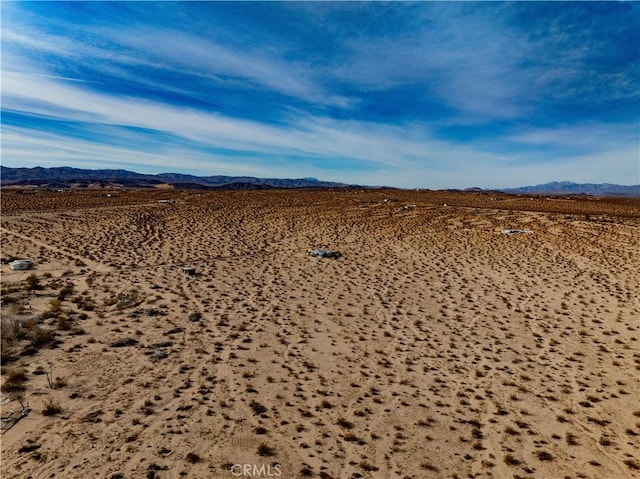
511	460
51	407
265	450
32	283
428	466
342	422
257	408
407	350
14	380
544	455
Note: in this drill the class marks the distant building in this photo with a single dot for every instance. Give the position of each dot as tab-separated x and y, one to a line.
20	264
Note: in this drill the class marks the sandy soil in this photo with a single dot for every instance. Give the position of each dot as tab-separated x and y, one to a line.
436	346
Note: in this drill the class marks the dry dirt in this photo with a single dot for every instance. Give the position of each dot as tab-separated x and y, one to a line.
435	347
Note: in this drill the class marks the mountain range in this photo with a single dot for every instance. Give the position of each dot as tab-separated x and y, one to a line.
66	177
569	188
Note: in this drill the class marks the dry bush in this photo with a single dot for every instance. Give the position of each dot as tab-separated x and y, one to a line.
65	291
427	466
632	464
368	467
39	336
511	461
572	439
32	283
14	379
544	456
342	422
55	305
426	422
9	331
257	408
265	450
51	408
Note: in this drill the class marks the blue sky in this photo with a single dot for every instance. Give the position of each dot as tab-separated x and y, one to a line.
419	94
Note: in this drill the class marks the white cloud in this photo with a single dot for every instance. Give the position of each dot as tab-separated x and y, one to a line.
592	135
406	155
24	147
309	137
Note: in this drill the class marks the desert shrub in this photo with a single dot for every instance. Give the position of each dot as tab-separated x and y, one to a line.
32	283
572	439
342	422
64	323
87	305
544	456
55	383
111	301
265	450
427	422
368	467
9	327
93	417
55	305
48	314
51	408
351	437
427	466
39	336
632	464
512	461
605	441
14	379
65	291
257	408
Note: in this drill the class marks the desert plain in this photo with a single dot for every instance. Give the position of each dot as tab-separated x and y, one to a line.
436	346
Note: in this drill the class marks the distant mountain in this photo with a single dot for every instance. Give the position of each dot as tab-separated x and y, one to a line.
569	188
65	177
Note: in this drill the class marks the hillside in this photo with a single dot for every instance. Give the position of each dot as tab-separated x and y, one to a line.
66	177
569	188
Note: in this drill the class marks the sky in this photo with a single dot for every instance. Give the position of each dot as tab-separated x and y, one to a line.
412	95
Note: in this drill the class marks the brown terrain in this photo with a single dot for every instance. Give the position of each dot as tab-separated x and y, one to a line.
435	347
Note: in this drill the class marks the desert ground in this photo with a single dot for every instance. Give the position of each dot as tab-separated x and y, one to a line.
435	347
